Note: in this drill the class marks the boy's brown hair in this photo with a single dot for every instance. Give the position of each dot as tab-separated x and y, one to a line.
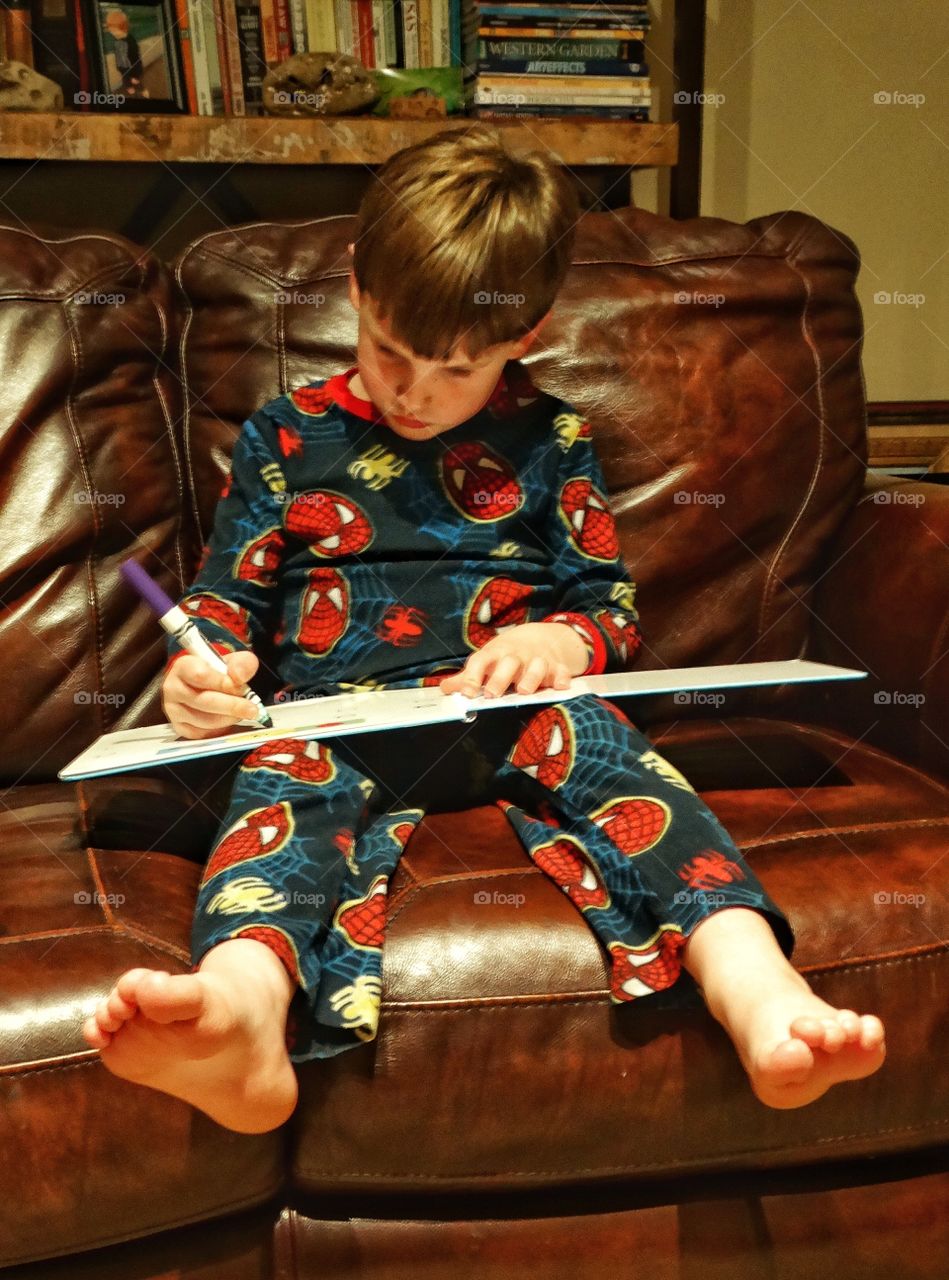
453	221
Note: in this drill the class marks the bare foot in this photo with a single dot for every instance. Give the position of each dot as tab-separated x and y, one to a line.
215	1038
793	1044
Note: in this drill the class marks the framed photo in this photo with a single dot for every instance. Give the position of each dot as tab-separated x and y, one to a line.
135	57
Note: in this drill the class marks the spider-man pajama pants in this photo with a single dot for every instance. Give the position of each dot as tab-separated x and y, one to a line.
314	830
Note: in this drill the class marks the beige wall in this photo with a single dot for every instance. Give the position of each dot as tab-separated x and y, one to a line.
798	128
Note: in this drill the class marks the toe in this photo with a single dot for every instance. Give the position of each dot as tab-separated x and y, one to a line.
850	1022
834	1035
809	1029
128	985
871	1031
93	1034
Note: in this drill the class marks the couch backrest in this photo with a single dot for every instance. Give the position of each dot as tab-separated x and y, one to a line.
718	364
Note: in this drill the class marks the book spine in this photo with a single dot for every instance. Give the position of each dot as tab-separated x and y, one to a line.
221	41
18	31
393	44
582	115
543	97
516	44
202	66
185	53
268	32
321	35
284	35
362	30
298	25
571	67
425	33
410	32
253	67
378	33
235	73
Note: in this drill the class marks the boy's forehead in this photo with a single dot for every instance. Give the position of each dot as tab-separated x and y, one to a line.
458	356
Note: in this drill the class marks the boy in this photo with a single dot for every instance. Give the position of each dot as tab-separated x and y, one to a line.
430	516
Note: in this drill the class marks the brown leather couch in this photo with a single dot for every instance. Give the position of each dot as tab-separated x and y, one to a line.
508	1121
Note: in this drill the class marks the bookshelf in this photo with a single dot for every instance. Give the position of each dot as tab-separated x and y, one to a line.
333	140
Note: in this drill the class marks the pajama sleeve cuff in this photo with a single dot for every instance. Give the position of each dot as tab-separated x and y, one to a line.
589	632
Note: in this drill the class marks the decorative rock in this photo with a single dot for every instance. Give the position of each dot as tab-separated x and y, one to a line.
23	89
319	84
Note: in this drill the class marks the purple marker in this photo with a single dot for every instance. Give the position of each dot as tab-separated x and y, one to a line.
177	623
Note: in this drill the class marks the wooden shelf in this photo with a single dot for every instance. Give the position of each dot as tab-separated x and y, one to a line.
169	139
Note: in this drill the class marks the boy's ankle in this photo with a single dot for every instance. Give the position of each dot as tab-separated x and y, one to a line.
250	959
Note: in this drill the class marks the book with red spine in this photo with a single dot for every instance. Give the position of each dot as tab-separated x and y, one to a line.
187	62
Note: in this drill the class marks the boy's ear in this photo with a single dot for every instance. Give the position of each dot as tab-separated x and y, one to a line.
524	344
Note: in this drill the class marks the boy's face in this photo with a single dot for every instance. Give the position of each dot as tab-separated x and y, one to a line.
420	398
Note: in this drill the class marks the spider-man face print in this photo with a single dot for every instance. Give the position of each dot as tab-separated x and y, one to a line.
313	401
324	611
307	761
479	483
330	522
639	971
586	513
633	823
261	559
501	602
545	748
514	393
215	609
363	920
566	861
256	835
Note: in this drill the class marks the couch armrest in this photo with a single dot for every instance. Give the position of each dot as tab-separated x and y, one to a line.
883	605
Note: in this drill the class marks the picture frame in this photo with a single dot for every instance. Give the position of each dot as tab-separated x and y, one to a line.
134	56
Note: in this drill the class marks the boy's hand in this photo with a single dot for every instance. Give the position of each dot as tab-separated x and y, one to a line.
200	702
532	656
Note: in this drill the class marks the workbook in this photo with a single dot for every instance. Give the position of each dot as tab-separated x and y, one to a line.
365	711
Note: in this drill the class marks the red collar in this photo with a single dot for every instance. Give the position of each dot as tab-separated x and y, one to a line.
337	388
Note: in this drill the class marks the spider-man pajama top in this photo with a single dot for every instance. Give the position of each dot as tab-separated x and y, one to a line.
346	555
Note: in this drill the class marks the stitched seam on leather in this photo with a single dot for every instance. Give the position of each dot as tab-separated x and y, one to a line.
78	444
769	594
896	825
186	402
169	430
464	1004
717	1161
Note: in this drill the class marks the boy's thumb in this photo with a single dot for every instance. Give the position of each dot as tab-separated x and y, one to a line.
242	665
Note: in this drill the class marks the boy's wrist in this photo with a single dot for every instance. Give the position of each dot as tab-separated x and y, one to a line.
586	650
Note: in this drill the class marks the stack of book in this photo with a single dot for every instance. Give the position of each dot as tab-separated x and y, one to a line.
209	57
562	58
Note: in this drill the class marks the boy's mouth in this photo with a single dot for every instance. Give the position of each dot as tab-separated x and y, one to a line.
408	422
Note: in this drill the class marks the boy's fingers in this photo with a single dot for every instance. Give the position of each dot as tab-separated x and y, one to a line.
532	676
504	672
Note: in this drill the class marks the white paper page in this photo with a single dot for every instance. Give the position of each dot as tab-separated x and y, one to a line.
370	710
